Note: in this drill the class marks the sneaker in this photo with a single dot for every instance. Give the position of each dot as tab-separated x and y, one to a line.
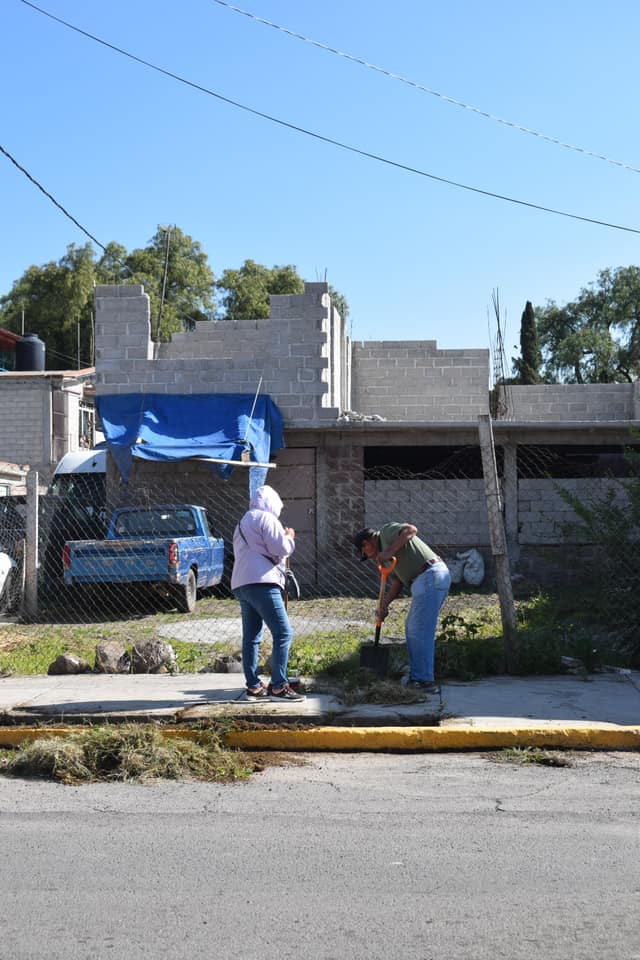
427	686
287	695
258	693
295	683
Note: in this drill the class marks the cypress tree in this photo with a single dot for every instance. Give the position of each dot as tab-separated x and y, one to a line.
528	363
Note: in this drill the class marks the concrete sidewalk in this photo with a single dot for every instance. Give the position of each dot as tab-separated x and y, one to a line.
569	711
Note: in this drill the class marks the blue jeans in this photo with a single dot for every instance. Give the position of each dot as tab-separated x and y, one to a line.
262	603
428	593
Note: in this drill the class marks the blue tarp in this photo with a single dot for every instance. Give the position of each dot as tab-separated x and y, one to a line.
160	426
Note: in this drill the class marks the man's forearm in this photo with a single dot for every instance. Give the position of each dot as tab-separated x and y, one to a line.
394	590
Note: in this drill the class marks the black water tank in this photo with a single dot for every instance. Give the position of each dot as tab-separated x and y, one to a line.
30	352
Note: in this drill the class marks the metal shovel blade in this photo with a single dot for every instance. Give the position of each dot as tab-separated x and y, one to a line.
375	658
372	656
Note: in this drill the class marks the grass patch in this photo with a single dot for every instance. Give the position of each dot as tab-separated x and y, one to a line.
329	632
325	652
128	752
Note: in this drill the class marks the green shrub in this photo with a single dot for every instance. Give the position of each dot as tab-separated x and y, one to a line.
462	652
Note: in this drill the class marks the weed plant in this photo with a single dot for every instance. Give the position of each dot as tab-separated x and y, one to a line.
532	756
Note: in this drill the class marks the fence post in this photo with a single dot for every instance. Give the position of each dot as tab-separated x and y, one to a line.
498	541
510	493
31	561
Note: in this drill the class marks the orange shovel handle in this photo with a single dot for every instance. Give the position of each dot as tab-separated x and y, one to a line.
385	570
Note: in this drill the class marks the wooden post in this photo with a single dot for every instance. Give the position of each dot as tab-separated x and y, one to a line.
31	560
510	495
498	541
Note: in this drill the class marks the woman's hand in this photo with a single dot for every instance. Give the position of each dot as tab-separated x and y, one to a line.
290	532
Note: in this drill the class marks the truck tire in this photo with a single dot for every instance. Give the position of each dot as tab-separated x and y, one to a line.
186	594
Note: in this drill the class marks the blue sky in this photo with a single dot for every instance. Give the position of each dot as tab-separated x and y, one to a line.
124	148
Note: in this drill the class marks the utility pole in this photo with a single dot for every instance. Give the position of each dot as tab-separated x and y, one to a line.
167	231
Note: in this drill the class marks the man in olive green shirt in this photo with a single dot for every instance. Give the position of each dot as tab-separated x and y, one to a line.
427	577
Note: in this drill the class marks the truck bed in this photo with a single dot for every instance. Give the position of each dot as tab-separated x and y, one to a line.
120	561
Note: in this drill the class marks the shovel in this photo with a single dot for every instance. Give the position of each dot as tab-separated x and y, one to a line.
372	656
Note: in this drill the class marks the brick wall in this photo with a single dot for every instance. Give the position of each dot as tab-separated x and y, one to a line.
25	424
542	510
451	513
292	351
303	354
413	380
566	402
40	420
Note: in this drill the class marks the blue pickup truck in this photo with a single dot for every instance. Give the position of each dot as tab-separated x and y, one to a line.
169	545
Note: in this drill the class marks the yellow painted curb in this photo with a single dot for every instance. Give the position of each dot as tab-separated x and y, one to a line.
463	737
14	736
410	739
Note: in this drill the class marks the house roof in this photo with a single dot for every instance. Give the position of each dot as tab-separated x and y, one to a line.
72	374
8	339
13	469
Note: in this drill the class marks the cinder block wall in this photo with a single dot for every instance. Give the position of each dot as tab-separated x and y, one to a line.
413	380
292	351
303	354
25	424
567	402
449	513
40	420
542	511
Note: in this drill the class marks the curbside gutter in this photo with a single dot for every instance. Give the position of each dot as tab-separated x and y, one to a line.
563	736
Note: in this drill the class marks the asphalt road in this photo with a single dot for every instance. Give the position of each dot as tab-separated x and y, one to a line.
420	857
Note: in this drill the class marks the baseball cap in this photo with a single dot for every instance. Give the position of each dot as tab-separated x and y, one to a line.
359	539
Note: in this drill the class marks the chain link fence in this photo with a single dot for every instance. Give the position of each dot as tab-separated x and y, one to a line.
326	502
571	514
579	519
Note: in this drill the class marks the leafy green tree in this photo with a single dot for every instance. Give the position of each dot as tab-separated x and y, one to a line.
57	299
246	292
596	337
189	286
527	365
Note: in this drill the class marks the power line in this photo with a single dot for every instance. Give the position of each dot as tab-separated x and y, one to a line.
181	313
424	89
330	140
54	201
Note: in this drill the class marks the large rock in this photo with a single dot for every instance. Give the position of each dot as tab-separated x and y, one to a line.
112	657
153	656
68	663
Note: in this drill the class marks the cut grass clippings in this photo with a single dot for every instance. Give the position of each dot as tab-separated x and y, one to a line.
130	752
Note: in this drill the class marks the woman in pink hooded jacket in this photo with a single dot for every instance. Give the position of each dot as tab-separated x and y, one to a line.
261	546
